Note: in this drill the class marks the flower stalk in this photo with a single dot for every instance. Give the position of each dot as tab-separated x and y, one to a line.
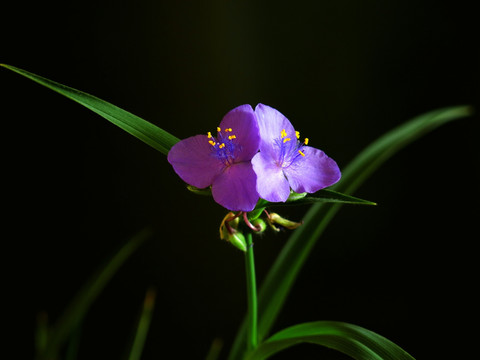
252	333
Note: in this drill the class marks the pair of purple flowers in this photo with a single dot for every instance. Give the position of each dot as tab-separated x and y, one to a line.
255	154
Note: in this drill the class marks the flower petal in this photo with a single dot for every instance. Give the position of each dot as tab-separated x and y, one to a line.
312	172
243	122
192	160
235	188
271	182
271	123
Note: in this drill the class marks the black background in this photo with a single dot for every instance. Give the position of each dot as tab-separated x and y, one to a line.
76	187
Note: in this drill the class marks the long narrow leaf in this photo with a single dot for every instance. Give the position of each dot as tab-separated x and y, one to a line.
324	196
286	268
81	303
152	135
143	325
355	341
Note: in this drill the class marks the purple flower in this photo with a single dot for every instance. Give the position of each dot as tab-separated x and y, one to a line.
222	161
285	162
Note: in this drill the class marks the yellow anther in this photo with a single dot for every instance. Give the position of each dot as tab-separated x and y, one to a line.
286	139
218	129
306	141
221	146
229	129
297	134
209	135
283	133
232	137
211	142
301	153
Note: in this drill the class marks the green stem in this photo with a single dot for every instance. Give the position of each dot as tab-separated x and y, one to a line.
252	336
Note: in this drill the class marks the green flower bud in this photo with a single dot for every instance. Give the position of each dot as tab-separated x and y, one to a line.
229	223
259	224
275	219
238	240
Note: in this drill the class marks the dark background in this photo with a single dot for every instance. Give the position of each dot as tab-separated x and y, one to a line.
76	187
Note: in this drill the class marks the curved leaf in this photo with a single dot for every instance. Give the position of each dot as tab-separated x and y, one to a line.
283	273
353	340
150	134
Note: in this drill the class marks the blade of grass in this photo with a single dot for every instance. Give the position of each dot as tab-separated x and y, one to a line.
283	273
143	325
150	134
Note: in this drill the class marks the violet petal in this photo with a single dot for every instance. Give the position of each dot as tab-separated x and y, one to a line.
312	172
192	160
271	123
271	182
235	188
243	122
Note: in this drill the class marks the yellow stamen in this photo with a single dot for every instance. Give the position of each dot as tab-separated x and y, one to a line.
229	129
232	137
283	133
306	141
211	142
297	134
218	129
221	146
209	135
301	153
286	139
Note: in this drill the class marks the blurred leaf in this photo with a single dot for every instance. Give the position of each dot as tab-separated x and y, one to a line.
41	332
78	307
143	325
355	341
215	349
147	132
286	268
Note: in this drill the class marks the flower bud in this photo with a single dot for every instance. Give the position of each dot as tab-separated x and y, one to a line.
274	220
238	240
228	224
259	224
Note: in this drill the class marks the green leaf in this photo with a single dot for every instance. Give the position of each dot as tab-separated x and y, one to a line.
78	307
322	196
147	132
143	325
355	341
283	273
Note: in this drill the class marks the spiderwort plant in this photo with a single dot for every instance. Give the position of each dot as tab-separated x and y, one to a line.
255	154
257	160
